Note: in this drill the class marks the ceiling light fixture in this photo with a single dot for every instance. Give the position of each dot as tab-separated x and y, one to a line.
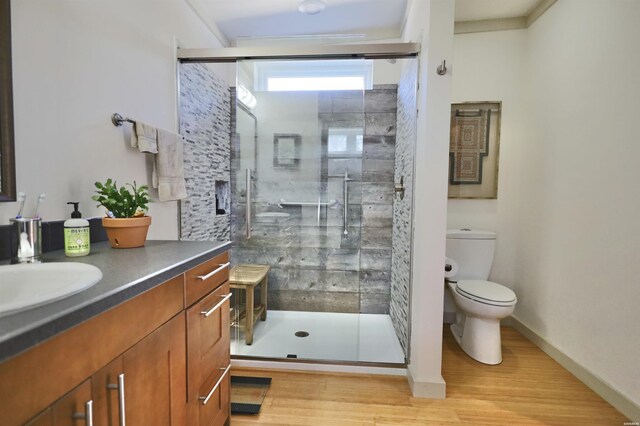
311	7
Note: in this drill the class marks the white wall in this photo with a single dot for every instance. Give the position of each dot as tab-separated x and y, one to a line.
385	72
578	251
492	66
567	212
74	64
431	24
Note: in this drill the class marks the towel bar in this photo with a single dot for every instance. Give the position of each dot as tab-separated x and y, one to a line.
117	119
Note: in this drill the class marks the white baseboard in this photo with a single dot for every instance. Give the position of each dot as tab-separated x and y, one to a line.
326	368
595	383
432	390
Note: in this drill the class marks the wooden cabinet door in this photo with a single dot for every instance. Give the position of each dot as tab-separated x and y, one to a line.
106	393
71	410
155	377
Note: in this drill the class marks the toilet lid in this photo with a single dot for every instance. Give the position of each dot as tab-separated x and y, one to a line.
486	292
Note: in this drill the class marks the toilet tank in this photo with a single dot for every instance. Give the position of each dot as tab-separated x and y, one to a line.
473	251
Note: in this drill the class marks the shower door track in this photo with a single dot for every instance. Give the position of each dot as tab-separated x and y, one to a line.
337	51
320	361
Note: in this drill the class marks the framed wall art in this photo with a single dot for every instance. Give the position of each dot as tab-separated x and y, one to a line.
473	149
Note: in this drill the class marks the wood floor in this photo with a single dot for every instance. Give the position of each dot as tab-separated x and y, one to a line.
527	388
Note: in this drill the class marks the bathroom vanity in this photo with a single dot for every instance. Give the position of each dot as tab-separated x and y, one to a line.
147	345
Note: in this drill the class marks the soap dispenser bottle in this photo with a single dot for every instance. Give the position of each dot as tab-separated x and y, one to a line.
76	234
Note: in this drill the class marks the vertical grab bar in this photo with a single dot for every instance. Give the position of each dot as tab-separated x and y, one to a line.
248	209
345	191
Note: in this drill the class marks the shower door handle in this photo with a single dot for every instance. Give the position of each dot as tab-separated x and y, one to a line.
346	202
248	209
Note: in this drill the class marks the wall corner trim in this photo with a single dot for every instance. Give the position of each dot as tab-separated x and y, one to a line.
431	390
539	10
614	397
197	8
504	24
487	25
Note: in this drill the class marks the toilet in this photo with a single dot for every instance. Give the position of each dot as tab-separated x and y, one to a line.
480	304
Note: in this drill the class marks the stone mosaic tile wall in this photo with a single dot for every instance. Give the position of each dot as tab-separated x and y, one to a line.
316	267
402	225
205	123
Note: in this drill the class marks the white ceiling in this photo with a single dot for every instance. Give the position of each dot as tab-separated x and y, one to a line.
237	19
277	18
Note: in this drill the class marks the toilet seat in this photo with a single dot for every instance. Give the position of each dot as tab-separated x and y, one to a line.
486	292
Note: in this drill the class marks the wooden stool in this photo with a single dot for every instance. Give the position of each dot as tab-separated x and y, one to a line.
247	277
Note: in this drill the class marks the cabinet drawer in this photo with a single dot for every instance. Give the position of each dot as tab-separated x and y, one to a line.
215	410
206	277
207	338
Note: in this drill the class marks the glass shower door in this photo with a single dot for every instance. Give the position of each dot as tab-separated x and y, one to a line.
297	209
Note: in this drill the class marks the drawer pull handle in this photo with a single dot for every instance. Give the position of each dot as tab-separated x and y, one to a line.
215	271
210	311
205	399
88	413
120	387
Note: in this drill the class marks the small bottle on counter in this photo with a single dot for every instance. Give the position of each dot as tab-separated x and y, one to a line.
77	239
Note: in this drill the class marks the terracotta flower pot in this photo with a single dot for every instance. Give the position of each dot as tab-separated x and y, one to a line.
127	232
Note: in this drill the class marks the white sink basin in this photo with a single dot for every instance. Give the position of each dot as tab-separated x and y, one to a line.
26	286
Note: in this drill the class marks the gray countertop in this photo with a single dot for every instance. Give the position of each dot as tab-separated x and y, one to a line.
126	273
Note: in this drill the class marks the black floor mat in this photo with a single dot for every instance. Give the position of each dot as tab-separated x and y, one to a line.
247	393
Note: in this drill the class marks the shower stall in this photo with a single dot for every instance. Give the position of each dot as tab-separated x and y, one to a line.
306	165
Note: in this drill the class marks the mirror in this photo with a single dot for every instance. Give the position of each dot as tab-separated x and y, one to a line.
7	156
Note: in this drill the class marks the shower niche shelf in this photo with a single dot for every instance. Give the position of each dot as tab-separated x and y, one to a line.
223	204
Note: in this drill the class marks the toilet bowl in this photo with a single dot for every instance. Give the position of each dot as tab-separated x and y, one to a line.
480	304
480	307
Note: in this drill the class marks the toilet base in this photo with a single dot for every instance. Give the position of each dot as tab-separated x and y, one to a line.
480	339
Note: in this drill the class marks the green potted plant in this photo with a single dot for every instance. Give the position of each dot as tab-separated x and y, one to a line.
126	223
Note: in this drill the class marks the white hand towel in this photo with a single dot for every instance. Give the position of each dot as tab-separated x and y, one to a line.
168	170
144	137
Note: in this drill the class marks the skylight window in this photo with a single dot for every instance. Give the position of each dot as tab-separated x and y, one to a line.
295	84
299	75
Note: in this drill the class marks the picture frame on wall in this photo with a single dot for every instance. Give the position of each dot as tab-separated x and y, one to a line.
286	150
474	147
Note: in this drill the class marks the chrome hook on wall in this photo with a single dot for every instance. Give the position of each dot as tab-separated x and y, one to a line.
442	68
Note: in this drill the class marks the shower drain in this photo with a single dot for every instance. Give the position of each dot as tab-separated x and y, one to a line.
301	334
